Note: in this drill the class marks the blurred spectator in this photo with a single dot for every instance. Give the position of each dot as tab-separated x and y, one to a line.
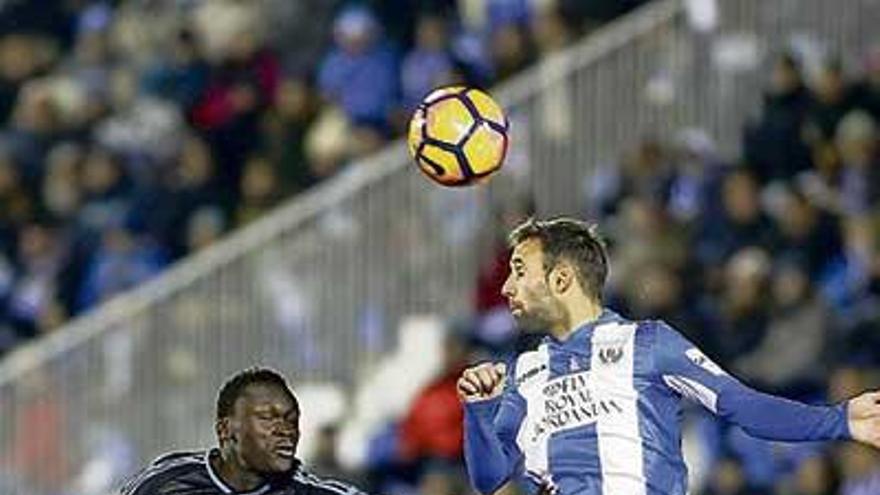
741	311
860	467
22	57
510	48
551	30
288	122
204	227
643	171
431	430
773	147
788	358
728	479
106	192
34	125
260	190
182	77
856	138
698	173
661	294
61	193
429	64
833	98
244	81
328	143
822	183
740	222
867	90
325	460
16	206
807	235
123	260
815	476
443	478
862	245
188	186
143	129
360	73
644	235
41	253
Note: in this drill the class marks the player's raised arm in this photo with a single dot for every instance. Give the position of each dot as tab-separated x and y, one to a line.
491	420
685	369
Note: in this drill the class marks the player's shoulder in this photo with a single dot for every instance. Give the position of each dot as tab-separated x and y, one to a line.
613	327
311	484
163	470
655	336
655	330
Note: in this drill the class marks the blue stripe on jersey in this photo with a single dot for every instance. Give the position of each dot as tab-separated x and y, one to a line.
559	362
659	409
572	453
576	467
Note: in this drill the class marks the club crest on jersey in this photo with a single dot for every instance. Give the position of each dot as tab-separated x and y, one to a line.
610	355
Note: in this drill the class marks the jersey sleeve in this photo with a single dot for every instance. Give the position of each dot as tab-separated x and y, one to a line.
490	430
684	368
312	484
150	480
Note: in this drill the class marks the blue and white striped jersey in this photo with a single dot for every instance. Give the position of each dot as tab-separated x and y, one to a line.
600	413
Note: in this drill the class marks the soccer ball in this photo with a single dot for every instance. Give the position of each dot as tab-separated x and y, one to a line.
458	136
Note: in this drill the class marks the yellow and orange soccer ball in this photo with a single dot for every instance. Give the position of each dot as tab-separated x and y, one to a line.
458	136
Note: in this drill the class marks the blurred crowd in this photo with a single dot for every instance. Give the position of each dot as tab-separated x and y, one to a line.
771	264
134	133
137	132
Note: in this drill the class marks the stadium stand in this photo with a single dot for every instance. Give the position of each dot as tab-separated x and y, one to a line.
729	151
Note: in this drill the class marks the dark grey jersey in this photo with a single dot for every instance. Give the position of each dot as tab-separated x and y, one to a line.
190	473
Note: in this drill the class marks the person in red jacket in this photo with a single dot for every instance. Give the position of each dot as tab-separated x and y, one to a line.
432	427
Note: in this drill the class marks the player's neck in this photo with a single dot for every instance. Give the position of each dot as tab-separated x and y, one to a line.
234	475
575	316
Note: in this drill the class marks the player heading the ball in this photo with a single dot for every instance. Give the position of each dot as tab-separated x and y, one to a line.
595	409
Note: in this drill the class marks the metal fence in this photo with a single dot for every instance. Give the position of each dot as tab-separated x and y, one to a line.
318	288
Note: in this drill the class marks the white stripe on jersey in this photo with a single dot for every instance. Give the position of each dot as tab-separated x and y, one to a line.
620	444
330	485
693	390
532	372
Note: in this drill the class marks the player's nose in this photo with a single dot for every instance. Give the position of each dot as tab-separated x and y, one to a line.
507	289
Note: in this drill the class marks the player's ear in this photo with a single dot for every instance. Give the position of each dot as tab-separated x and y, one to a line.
561	277
221	428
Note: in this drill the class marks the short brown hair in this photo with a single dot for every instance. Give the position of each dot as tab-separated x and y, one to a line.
576	241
